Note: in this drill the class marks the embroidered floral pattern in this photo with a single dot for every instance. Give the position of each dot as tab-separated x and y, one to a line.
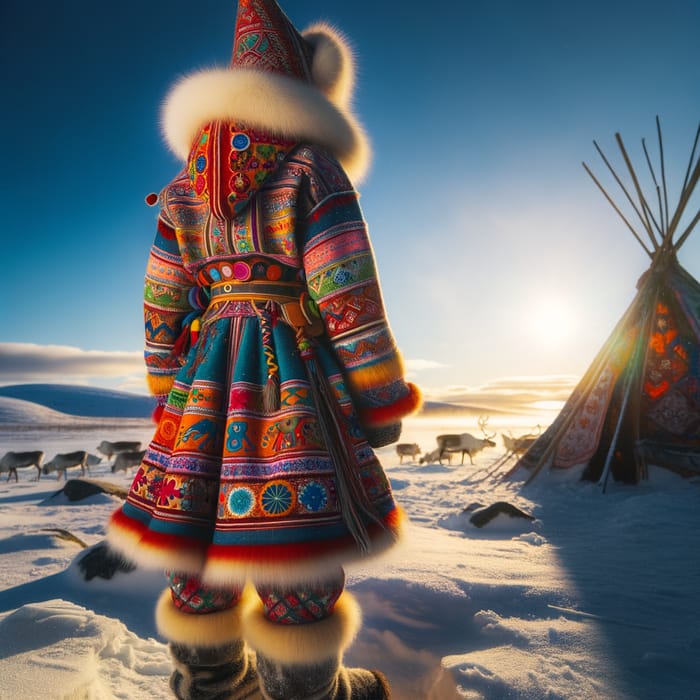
277	498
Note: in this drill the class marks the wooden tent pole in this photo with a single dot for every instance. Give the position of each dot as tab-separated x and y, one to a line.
642	200
603	481
620	183
664	221
687	189
619	213
663	168
687	192
687	232
637	363
692	157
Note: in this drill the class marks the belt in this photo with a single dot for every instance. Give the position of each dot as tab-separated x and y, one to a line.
298	309
254	290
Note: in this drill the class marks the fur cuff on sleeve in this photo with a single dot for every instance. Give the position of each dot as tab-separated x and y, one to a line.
376	416
159	384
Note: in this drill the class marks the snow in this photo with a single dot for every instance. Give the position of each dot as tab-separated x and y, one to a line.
596	598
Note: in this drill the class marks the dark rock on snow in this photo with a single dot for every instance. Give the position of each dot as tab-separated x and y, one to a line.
484	516
78	489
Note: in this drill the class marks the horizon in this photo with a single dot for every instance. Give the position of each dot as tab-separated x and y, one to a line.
511	400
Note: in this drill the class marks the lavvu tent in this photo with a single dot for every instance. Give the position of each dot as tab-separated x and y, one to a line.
639	401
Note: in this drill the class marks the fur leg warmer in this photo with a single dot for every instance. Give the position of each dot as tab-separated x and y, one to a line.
303	662
210	658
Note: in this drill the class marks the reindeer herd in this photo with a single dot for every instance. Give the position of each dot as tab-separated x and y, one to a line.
126	454
465	444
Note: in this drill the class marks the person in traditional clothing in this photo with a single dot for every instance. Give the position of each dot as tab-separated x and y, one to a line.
276	374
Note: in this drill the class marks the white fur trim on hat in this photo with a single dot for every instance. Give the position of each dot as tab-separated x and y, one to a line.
332	63
303	644
275	103
198	630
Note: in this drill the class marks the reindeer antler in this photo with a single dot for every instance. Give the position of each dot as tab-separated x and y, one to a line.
482	421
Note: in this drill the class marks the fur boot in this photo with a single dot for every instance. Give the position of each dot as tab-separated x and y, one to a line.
210	658
303	662
213	673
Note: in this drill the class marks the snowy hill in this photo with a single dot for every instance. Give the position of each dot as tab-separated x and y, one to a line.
19	412
73	400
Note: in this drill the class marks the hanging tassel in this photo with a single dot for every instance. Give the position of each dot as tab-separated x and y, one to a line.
353	500
182	344
195	328
271	395
271	390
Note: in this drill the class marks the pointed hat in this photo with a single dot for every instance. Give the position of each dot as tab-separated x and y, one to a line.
296	85
265	39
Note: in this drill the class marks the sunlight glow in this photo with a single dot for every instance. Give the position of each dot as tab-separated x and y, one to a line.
550	322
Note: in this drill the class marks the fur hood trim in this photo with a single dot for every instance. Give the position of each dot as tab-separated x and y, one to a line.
316	114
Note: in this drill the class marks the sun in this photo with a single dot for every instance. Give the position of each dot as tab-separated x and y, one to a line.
550	321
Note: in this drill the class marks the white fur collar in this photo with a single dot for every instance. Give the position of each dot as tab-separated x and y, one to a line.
316	114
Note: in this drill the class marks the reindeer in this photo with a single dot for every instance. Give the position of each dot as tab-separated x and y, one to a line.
434	456
519	445
126	460
61	462
109	449
405	449
12	461
92	460
465	443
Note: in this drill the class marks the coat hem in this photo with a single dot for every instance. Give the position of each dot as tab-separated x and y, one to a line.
234	565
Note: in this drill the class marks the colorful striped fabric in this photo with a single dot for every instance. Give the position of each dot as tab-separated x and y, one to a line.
239	481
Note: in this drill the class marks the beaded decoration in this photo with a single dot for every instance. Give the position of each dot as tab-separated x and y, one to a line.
228	164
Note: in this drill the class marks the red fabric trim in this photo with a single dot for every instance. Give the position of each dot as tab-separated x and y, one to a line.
150	538
124	522
177	543
386	415
296	552
245	553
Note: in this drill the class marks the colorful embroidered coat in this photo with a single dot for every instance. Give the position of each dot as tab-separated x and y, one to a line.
266	330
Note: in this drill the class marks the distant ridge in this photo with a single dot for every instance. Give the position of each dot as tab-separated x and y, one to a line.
74	400
443	407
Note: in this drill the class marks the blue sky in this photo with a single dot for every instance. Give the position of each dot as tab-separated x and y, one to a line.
498	256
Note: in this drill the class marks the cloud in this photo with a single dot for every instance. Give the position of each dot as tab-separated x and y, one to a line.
418	365
515	394
22	363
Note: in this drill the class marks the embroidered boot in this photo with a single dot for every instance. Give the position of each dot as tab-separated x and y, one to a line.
303	661
210	658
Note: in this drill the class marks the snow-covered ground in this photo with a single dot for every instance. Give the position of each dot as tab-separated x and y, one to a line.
597	598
